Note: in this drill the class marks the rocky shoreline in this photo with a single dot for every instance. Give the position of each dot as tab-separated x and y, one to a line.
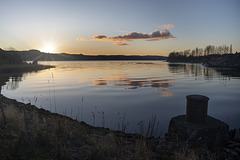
27	132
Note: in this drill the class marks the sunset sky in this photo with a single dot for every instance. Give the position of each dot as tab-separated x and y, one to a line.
126	27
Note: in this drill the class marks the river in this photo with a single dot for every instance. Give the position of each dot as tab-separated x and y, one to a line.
127	95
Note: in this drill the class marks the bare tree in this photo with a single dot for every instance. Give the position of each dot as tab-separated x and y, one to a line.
231	48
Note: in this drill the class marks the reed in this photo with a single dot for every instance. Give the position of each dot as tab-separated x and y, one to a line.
54	95
82	109
93	118
50	99
103	119
152	127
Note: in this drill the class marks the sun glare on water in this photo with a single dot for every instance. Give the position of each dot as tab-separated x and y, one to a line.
48	49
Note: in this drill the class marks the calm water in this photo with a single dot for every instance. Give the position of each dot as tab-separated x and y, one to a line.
127	94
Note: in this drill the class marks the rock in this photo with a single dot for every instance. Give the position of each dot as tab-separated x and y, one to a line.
213	133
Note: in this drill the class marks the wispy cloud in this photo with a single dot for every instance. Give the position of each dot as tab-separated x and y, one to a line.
82	39
120	44
166	26
157	35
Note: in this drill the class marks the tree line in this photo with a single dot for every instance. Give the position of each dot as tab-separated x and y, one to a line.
208	50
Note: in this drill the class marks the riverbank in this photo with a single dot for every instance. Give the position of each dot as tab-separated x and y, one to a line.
27	132
227	61
24	67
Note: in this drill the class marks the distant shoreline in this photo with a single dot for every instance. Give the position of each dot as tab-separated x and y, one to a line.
35	55
225	61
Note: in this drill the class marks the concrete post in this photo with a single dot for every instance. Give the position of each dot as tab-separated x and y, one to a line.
196	128
197	106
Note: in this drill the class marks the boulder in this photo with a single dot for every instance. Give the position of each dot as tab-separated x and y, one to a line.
213	133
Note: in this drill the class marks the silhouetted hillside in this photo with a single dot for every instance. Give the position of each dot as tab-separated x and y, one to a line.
32	55
9	58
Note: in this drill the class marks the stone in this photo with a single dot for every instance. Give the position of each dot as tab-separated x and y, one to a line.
212	133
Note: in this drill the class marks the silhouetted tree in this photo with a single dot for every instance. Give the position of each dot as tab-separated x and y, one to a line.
193	53
200	52
186	52
197	52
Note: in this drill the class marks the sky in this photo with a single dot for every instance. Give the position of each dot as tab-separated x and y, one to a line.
118	27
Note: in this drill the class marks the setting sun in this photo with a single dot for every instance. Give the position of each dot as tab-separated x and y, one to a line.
48	49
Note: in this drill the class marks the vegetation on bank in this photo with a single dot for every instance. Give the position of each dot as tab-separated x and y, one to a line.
211	56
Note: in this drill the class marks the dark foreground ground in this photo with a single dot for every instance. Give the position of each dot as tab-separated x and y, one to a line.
27	132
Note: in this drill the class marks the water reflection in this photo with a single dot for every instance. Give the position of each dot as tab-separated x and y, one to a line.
11	80
133	83
197	71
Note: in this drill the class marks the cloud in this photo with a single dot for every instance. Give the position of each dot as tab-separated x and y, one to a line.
99	37
82	39
157	35
166	26
154	36
120	44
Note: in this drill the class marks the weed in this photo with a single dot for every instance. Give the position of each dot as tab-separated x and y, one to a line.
152	127
50	99
103	119
54	95
93	118
124	124
141	127
82	110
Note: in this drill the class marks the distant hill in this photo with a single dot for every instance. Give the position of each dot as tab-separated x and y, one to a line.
33	54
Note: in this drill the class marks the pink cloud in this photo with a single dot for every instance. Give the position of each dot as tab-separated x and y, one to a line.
154	36
157	35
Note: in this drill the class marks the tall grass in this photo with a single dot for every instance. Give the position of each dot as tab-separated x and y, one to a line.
54	95
93	118
50	98
152	127
103	119
82	110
